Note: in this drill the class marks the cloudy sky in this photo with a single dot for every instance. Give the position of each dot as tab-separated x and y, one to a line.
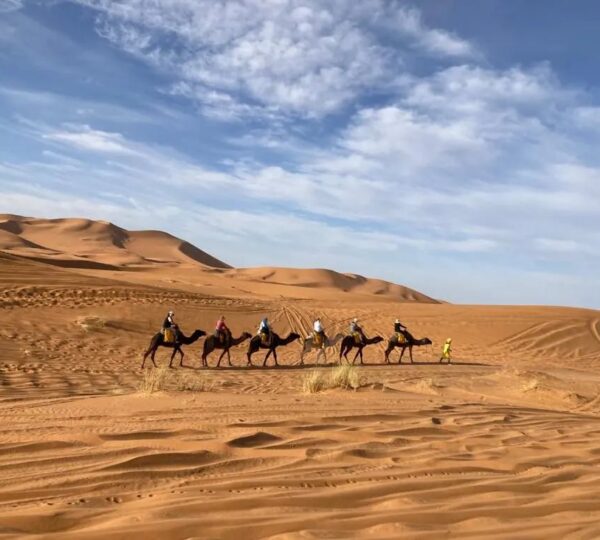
450	146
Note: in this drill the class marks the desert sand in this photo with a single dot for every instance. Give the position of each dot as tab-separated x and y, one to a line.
502	443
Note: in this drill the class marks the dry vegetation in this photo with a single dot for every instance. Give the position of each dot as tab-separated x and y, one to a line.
346	377
92	323
164	379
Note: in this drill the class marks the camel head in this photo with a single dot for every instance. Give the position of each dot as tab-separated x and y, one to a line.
246	335
293	336
426	341
377	339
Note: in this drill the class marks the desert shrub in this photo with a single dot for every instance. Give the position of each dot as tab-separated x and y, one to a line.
314	381
345	377
163	378
154	380
92	323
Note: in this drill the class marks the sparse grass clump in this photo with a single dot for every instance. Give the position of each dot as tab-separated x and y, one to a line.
346	377
154	380
92	323
186	381
314	381
163	378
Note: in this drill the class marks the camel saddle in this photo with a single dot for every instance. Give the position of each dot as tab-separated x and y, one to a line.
318	339
265	339
400	338
357	337
168	335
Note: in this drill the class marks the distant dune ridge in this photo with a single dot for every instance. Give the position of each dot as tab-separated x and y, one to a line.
73	239
100	245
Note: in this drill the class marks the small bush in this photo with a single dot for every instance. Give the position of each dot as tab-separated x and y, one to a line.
314	381
163	378
92	323
345	377
154	380
191	382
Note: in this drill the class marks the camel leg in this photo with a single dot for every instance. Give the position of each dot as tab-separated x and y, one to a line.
267	356
151	351
275	356
145	356
172	356
221	357
410	352
387	355
182	355
356	355
229	358
401	355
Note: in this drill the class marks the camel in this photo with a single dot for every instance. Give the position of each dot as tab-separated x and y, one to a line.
309	345
348	343
409	343
257	343
212	342
158	341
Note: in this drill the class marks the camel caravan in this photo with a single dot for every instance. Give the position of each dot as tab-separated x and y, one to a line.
222	340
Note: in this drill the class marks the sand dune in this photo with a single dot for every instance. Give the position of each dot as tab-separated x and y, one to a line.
85	244
500	444
74	239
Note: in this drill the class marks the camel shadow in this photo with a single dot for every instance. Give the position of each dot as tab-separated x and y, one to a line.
299	367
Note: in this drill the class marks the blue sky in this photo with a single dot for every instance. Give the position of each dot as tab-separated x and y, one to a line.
449	146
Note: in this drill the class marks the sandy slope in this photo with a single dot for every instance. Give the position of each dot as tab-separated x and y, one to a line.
502	444
154	256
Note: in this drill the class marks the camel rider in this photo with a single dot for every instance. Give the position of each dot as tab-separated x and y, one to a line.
264	330
356	331
221	330
318	331
400	331
170	324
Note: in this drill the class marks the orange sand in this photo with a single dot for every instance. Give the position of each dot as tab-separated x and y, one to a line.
502	444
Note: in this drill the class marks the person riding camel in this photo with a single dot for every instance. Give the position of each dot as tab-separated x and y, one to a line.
264	330
319	332
222	332
401	331
356	331
170	330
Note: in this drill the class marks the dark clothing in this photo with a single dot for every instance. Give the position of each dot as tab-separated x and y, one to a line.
168	323
399	327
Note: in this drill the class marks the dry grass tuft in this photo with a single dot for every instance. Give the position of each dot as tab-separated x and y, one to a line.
92	323
186	381
314	381
154	380
163	378
346	377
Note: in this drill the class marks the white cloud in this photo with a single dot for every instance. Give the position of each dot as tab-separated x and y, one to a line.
306	58
439	42
94	140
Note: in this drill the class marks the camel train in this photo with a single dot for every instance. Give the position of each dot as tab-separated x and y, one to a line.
222	340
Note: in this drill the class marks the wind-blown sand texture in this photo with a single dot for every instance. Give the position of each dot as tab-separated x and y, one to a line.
504	443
